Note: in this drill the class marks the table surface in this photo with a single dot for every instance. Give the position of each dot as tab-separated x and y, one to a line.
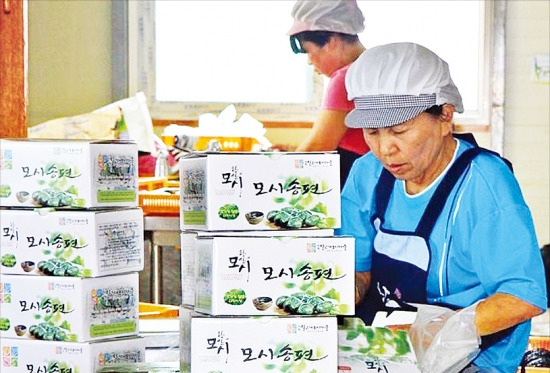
161	223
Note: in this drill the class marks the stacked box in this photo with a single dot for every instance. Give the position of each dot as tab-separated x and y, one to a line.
260	191
257	232
243	276
382	348
68	173
279	344
190	245
27	355
76	243
71	247
69	309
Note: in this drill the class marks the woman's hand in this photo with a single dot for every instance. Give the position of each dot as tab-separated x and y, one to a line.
444	340
362	283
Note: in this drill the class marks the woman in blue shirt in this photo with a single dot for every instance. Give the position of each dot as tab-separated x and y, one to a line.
437	220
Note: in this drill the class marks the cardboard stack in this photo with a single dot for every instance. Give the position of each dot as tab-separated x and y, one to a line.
263	275
71	248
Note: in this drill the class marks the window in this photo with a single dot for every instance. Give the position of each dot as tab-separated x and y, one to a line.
193	57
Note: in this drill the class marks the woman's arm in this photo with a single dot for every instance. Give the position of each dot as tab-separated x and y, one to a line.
326	133
502	311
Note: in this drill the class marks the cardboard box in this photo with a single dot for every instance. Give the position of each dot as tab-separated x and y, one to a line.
69	309
365	349
68	173
81	243
275	276
185	316
26	355
245	191
162	339
260	344
189	248
188	253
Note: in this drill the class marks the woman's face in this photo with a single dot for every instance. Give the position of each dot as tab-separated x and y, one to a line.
416	151
322	58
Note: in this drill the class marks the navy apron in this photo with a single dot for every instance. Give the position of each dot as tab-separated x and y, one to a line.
400	260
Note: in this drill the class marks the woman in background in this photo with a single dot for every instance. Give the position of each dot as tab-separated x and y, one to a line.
327	32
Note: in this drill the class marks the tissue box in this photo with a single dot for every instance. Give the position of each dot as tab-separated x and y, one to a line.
25	355
69	309
260	191
189	245
278	344
275	276
77	243
68	173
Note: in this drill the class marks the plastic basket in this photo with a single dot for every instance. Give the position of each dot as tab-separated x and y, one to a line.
159	203
539	342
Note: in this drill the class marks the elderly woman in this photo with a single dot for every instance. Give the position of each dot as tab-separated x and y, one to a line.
437	220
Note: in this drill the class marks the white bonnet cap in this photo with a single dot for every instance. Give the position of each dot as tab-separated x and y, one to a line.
342	16
393	83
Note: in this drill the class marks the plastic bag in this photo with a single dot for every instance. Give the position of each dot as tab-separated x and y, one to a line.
444	340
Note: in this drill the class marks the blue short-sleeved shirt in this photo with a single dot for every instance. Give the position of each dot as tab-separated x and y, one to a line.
483	242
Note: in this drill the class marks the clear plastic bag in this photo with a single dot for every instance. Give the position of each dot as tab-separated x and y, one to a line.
444	340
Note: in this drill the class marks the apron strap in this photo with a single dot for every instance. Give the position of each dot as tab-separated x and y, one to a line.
439	198
468	137
383	191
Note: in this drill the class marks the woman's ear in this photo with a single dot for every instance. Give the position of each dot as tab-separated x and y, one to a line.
447	113
446	118
332	42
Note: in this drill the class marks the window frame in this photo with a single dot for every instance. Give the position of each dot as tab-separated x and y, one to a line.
142	78
139	17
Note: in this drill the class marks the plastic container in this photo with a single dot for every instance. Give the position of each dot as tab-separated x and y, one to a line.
151	183
163	202
154	311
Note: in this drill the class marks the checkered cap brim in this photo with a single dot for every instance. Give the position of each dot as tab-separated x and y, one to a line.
383	111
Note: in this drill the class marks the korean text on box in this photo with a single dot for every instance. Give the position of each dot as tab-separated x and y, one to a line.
278	344
27	355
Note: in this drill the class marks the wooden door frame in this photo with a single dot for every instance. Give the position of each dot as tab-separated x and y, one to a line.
13	68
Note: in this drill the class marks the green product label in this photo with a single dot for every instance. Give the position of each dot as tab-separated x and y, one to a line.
203	302
109	196
5	191
104	330
194	217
